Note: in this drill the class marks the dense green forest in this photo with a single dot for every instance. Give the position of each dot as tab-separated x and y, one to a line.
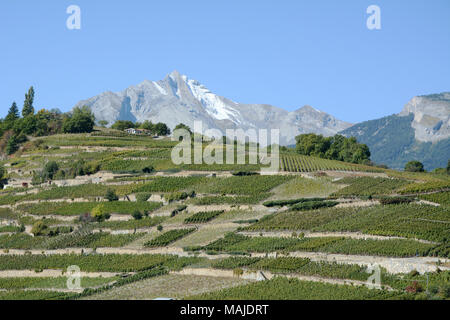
333	148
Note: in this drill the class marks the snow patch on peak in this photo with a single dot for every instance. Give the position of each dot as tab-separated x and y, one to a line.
159	88
213	104
176	98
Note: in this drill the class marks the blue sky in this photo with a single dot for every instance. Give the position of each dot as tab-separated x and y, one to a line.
284	53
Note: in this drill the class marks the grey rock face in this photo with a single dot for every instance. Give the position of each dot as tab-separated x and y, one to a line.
420	132
178	99
431	116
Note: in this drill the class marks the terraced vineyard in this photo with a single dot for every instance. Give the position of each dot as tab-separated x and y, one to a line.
74	240
390	248
293	289
74	209
300	163
409	221
418	188
137	225
442	198
367	186
203	217
169	237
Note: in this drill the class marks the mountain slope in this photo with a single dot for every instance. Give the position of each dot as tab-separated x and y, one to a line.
178	99
431	116
420	132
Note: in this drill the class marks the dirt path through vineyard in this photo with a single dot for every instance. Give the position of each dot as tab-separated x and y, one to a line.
308	234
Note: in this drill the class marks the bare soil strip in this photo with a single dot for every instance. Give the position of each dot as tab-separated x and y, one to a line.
308	234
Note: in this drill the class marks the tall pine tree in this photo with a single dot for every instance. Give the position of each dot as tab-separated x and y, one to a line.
13	113
28	108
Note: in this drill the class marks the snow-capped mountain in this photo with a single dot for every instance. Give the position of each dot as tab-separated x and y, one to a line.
178	99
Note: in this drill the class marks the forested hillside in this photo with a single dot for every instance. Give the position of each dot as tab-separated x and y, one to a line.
392	142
